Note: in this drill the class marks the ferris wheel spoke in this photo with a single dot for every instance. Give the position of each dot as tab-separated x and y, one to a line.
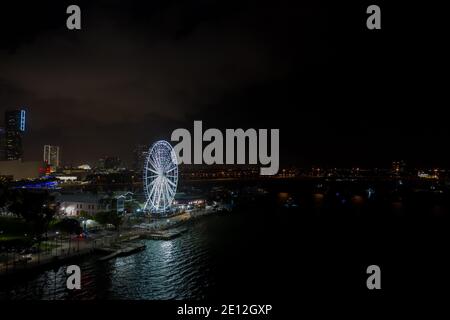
161	197
171	169
165	199
158	201
153	188
171	183
172	173
152	163
165	187
151	170
154	198
157	159
153	182
146	203
170	191
169	194
151	195
172	177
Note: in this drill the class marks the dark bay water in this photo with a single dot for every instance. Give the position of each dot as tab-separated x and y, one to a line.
174	269
277	245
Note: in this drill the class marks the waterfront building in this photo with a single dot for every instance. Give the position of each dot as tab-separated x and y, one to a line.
75	204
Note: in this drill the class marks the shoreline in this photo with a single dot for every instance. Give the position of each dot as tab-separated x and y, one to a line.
158	230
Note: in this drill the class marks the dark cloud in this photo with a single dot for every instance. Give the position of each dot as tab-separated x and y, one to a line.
106	80
137	70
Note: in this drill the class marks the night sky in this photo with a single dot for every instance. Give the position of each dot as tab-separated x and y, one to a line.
340	94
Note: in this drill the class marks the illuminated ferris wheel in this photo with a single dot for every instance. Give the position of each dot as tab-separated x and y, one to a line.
160	177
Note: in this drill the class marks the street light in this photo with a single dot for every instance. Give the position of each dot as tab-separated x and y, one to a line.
56	243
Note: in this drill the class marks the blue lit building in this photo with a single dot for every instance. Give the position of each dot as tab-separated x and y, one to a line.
15	121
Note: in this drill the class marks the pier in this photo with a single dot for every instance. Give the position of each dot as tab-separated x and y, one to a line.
121	250
164	234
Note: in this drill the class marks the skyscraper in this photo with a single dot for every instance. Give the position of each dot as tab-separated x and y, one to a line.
51	156
14	127
398	167
140	155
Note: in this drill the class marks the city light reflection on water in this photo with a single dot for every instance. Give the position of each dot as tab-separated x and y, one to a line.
166	249
174	269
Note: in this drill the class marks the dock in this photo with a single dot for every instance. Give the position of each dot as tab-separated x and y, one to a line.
121	250
164	234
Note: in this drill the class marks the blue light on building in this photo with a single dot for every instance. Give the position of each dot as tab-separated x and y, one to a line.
22	120
37	184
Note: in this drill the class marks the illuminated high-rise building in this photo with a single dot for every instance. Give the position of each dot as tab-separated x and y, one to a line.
398	167
51	156
14	128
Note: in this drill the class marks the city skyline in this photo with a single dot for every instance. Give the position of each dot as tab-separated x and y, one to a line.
132	160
